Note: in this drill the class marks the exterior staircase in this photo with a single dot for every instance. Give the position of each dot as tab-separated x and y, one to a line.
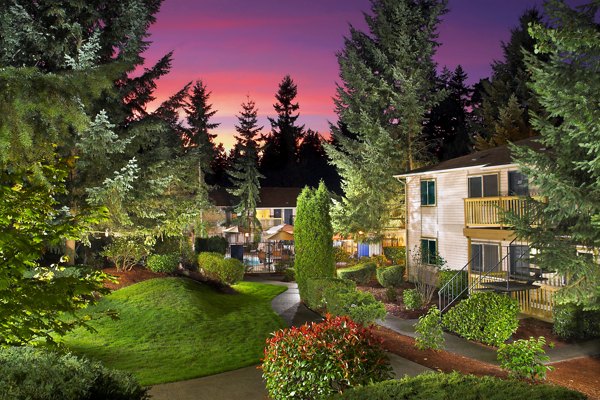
512	273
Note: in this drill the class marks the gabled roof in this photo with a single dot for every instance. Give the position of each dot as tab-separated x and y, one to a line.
496	156
270	197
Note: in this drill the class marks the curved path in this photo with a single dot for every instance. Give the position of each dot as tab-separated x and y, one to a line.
247	383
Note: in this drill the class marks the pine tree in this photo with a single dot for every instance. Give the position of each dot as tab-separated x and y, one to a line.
387	88
507	92
313	165
244	173
280	148
567	168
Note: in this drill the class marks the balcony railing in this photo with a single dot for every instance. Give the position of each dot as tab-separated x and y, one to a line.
267	223
490	211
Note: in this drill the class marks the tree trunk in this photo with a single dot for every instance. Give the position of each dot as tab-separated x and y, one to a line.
70	251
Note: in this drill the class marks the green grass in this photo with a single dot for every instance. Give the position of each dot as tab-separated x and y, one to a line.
172	329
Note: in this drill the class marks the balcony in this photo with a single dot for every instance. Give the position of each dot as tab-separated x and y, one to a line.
488	212
267	223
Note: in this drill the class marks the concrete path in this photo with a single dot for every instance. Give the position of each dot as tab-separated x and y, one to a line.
247	383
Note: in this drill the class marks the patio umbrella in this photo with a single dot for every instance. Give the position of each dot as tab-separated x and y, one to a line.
281	235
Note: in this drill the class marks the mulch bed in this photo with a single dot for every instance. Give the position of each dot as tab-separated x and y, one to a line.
127	278
582	374
395	308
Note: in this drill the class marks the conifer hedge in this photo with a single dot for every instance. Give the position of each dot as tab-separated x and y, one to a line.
313	237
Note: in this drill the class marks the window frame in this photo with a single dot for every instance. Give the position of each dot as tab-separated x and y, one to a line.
483	196
483	245
426	257
428	180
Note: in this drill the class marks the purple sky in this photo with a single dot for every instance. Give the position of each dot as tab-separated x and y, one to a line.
240	47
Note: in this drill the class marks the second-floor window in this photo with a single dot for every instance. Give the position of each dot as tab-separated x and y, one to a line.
428	192
483	186
518	184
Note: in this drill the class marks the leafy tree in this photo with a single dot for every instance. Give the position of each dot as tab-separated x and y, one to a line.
280	149
447	128
567	168
386	91
244	173
39	301
502	114
313	237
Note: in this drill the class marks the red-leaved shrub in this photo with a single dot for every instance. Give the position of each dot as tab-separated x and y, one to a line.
317	360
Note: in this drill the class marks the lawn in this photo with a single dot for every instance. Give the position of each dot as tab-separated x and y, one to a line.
170	329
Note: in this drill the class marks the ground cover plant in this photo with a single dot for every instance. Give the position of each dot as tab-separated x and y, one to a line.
321	359
457	386
172	329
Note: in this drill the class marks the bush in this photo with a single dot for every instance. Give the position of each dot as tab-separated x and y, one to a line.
490	318
397	255
30	373
313	237
213	244
430	334
126	252
391	295
524	358
163	262
342	256
321	359
360	306
412	299
457	386
223	270
391	276
361	273
289	275
571	322
315	290
444	275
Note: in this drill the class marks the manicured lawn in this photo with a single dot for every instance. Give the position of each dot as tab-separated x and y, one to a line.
171	329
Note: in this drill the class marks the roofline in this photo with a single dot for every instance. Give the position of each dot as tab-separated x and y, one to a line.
437	171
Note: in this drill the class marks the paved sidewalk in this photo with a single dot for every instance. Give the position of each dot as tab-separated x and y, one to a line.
247	383
479	352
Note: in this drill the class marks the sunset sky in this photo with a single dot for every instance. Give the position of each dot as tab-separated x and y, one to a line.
240	47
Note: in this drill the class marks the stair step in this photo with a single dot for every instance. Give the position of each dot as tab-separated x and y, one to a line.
512	286
532	278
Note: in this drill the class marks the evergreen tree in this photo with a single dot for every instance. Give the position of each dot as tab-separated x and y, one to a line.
244	173
279	161
507	94
313	165
313	235
387	88
567	168
447	128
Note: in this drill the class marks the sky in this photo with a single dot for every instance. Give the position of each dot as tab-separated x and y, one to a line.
245	47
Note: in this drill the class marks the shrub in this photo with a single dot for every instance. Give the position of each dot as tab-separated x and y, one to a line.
396	255
315	289
571	322
430	334
342	256
125	252
361	273
524	358
289	275
321	359
313	237
217	268
213	244
490	318
412	299
391	276
391	295
360	306
457	386
163	262
30	373
444	275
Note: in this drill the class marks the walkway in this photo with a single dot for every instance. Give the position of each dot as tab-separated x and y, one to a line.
246	383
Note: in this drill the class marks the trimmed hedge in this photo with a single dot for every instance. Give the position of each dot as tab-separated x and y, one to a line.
361	307
395	254
315	290
223	270
213	244
571	322
361	273
313	235
289	275
391	276
28	373
457	386
162	262
489	318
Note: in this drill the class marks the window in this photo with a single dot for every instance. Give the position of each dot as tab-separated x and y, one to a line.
288	216
428	192
429	251
277	213
518	184
519	260
483	186
263	213
484	257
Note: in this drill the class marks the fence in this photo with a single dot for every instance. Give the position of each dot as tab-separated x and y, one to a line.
264	257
